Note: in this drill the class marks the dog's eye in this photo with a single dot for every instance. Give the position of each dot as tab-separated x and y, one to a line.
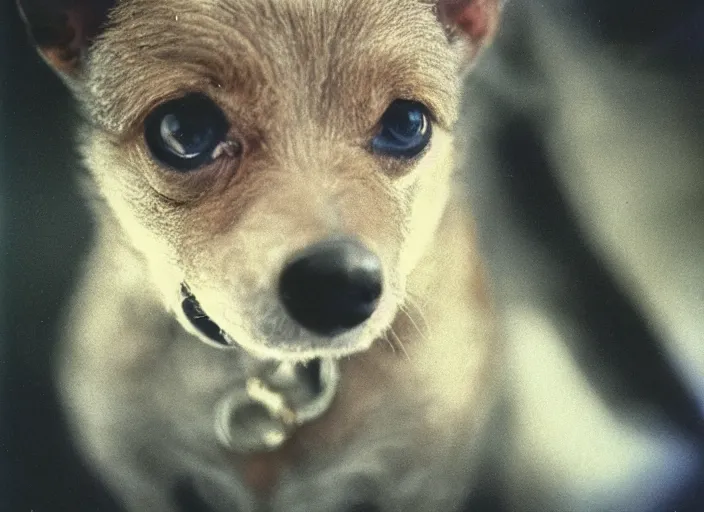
184	133
405	130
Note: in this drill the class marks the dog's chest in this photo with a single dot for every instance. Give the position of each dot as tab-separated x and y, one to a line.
383	417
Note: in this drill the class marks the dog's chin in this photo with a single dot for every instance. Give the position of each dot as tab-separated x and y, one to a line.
303	351
300	347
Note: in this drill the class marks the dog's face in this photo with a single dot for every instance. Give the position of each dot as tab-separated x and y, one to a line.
280	164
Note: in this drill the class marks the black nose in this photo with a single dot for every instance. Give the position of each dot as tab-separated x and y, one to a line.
332	286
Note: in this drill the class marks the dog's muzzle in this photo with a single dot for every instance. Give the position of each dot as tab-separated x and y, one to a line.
328	288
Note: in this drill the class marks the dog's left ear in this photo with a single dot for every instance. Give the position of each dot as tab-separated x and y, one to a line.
471	24
63	30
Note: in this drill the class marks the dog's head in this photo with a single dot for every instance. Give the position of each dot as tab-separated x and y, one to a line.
281	164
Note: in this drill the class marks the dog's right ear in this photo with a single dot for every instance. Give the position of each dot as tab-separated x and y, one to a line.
63	30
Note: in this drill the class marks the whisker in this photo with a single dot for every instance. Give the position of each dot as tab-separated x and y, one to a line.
389	343
409	316
400	343
411	300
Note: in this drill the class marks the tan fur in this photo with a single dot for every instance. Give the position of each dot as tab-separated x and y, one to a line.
303	83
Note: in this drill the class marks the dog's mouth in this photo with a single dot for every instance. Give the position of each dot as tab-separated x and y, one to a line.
201	321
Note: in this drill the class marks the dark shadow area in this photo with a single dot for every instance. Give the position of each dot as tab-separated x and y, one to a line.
637	22
44	240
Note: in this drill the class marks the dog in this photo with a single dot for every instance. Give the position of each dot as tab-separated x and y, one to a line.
284	308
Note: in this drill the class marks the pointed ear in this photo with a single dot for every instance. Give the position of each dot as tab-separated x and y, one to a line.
63	30
471	24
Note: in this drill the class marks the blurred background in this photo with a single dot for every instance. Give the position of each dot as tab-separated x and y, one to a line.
584	148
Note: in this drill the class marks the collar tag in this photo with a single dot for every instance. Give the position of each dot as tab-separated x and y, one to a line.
263	414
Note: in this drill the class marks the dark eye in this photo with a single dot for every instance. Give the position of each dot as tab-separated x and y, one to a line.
405	130
184	133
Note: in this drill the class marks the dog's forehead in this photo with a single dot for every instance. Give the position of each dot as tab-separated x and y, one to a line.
324	49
